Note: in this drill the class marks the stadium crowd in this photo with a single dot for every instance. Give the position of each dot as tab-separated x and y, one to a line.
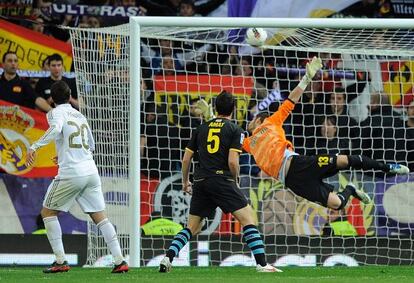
320	123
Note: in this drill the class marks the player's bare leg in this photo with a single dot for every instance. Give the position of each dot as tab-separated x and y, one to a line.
253	238
111	239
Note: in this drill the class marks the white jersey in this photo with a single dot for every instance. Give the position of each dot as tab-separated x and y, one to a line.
74	141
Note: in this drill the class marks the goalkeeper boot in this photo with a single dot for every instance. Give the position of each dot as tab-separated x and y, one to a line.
165	265
267	268
396	168
120	268
359	194
57	267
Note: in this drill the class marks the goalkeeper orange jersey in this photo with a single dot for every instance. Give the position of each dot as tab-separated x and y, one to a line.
268	142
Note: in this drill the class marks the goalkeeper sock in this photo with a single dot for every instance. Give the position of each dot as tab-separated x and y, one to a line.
54	235
366	163
254	241
179	241
111	240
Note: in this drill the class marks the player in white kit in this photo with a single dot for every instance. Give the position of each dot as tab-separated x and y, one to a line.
77	179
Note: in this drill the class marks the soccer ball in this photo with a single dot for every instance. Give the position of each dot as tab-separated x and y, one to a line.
256	36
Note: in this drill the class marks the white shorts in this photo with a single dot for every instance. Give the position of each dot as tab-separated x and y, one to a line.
86	190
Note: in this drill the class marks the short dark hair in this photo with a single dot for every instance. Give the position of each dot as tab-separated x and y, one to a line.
225	103
339	90
60	92
55	57
262	116
7	53
188	2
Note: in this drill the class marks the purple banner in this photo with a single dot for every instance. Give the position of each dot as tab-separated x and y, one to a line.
26	197
394	202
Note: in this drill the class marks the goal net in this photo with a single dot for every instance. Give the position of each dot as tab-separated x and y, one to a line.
358	104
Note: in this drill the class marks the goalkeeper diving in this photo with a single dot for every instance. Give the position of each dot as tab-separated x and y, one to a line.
304	175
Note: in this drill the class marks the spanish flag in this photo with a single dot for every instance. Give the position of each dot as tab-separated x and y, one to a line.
32	47
19	128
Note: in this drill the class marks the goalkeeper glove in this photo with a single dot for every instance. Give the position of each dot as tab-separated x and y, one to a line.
206	109
311	69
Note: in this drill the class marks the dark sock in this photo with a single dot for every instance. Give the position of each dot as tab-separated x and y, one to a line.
179	241
366	163
344	196
254	241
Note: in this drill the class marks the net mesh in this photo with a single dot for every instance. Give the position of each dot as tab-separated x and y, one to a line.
357	105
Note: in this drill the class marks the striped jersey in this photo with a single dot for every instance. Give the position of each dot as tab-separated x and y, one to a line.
268	141
74	141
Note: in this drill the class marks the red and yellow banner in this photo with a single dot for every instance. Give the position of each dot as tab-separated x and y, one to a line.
19	128
177	91
398	81
32	47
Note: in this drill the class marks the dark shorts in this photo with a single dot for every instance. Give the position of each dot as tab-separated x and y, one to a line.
306	174
213	192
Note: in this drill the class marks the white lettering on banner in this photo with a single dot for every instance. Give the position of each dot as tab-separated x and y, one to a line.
60	9
71	10
118	11
106	10
244	260
132	11
82	9
34	259
340	260
183	258
296	260
238	260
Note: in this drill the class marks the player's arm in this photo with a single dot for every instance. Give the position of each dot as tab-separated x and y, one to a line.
234	153
186	163
91	140
55	127
234	164
284	110
311	69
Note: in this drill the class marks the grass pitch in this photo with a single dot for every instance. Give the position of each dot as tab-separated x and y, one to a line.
365	274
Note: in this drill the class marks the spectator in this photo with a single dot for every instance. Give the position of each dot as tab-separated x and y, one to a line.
173	7
162	144
45	64
347	127
187	8
328	141
189	120
409	136
93	22
56	72
38	25
15	90
380	137
154	57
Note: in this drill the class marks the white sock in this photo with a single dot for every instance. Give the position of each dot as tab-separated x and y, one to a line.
54	235
111	240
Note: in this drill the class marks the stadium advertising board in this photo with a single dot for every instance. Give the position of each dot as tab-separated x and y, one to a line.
305	251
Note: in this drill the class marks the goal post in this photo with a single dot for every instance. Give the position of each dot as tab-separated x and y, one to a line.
365	58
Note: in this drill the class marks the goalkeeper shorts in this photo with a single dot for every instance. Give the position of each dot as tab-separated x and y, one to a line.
85	190
306	174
